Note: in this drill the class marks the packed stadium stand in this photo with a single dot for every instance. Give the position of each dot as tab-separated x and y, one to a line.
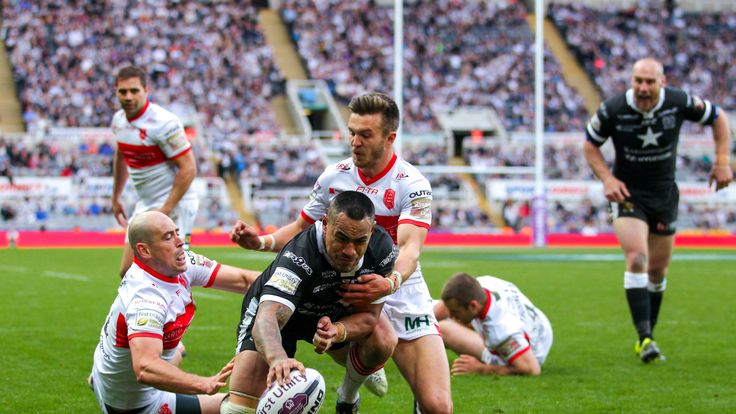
211	63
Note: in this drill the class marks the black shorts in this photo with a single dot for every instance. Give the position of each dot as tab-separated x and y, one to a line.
656	207
298	327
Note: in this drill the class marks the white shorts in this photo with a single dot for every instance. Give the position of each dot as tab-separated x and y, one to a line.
183	216
543	336
410	310
163	401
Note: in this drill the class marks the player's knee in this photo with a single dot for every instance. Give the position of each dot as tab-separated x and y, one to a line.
437	403
384	338
637	261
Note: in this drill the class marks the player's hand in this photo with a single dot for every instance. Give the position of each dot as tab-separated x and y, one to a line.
369	288
280	369
220	379
721	175
118	211
466	364
615	190
244	236
325	335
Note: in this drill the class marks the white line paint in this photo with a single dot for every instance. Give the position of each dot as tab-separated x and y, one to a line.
66	276
10	268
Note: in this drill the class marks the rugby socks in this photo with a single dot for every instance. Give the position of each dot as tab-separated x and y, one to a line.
637	296
355	375
656	292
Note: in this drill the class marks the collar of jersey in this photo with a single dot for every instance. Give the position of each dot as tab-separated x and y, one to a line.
630	101
140	113
319	233
489	299
369	181
154	273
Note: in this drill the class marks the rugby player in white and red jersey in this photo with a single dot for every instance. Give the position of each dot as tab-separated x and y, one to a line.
495	328
153	150
134	368
402	198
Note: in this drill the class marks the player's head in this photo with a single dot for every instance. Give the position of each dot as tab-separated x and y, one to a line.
372	125
348	228
131	90
464	297
155	241
647	79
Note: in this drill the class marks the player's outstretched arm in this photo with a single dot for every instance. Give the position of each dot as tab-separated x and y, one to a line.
721	174
150	369
235	279
120	177
247	237
525	364
270	319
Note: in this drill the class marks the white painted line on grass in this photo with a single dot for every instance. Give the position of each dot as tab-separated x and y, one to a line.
10	268
66	276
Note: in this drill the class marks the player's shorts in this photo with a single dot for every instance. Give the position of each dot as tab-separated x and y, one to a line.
543	338
411	311
658	208
162	402
298	328
183	216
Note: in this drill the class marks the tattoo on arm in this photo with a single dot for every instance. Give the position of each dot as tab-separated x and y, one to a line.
272	316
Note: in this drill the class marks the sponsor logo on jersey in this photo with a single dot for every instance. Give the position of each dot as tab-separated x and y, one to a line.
284	280
421	207
142	134
388	198
177	141
146	318
421	193
299	261
199	260
668	122
329	274
508	348
401	175
391	256
342	166
367	190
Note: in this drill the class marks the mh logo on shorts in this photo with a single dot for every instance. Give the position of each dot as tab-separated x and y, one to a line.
413	324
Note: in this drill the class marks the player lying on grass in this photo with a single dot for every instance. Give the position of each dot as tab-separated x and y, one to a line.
492	326
134	363
298	297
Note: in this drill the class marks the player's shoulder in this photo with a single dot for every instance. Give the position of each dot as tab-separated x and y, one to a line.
613	105
407	175
118	117
141	289
675	96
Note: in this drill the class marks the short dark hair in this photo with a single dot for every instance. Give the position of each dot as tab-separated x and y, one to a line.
355	205
377	103
462	288
131	72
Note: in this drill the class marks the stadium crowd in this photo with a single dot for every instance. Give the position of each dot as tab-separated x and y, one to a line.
695	48
456	53
208	55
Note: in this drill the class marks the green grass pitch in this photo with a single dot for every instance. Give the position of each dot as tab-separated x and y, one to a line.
54	302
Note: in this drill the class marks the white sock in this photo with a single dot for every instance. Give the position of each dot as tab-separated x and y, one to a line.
228	407
355	375
657	287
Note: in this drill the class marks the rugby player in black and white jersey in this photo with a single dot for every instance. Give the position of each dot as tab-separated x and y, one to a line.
298	297
644	125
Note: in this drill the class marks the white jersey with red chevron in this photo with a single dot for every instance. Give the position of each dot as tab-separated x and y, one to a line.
148	305
400	194
510	323
147	141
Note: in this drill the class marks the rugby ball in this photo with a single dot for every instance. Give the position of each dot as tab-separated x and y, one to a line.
301	395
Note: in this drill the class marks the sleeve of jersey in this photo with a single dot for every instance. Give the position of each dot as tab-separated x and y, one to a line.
505	335
285	285
416	204
596	132
201	270
700	110
172	140
319	199
146	315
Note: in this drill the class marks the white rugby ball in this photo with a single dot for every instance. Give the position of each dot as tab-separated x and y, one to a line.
301	395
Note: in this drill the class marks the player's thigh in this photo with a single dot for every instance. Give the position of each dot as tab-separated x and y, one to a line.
632	234
660	253
461	339
423	362
249	374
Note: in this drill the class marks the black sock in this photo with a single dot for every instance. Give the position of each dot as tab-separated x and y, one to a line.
655	301
638	299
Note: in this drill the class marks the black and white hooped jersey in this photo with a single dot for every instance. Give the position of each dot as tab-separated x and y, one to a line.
646	142
302	278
